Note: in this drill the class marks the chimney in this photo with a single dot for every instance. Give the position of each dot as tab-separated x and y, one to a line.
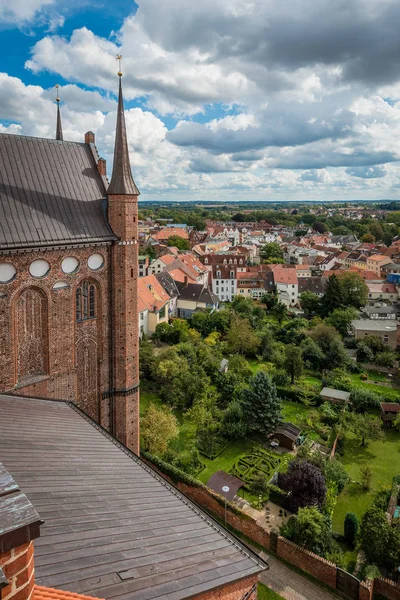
20	525
89	137
102	166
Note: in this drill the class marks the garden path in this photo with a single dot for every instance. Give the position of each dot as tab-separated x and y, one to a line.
291	585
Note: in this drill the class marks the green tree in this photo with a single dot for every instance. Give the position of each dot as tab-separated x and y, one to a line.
332	297
313	356
367	238
293	362
150	251
336	355
375	343
310	303
158	427
363	400
272	253
233	425
366	477
354	289
336	473
147	360
385	359
320	227
310	529
259	485
280	312
351	527
364	353
261	405
241	338
396	422
379	540
178	242
341	319
365	427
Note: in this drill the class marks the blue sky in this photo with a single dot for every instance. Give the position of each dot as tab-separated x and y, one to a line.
225	99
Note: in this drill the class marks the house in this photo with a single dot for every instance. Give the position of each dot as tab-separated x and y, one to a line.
102	522
379	311
159	264
286	283
335	396
164	234
194	297
169	285
389	411
153	304
315	285
287	435
224	280
382	291
376	262
385	329
144	262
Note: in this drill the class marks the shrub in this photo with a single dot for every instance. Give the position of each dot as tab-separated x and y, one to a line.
350	528
385	359
280	378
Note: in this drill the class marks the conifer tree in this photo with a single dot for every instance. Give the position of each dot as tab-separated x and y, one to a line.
261	405
333	297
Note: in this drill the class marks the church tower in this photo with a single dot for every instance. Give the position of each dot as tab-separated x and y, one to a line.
123	219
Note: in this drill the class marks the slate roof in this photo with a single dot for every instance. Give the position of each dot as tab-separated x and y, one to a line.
50	194
316	285
113	527
196	292
291	431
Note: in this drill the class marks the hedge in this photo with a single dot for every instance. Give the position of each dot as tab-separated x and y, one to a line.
175	473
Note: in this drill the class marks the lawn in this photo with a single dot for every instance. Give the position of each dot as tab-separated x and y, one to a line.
294	411
226	459
384	460
265	593
378	389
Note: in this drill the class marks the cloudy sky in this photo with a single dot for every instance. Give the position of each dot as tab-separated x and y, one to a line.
225	99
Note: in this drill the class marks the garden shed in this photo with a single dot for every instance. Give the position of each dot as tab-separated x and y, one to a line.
335	396
220	480
287	435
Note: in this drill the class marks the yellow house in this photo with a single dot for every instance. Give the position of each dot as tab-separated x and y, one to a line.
153	304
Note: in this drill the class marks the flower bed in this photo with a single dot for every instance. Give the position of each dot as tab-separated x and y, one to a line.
256	461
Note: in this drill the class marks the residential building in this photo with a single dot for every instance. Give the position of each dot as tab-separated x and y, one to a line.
224	281
376	262
164	234
315	285
153	304
286	283
169	285
143	261
385	330
389	411
382	291
194	297
160	264
380	311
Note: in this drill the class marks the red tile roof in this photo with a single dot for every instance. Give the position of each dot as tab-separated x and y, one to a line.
152	295
46	593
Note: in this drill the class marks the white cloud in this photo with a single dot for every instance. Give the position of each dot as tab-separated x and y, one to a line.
21	11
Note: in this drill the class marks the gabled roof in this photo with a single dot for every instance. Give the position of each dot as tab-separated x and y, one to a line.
334	394
168	284
283	274
151	293
113	527
50	193
196	292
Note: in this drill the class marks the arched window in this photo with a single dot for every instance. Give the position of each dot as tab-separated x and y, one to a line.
85	301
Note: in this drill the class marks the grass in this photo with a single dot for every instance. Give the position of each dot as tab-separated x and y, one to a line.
384	391
383	457
265	593
147	398
294	411
226	459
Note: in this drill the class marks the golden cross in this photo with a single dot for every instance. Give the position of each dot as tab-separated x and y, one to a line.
57	98
119	59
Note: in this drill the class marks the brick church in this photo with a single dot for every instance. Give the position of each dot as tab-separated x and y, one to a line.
68	276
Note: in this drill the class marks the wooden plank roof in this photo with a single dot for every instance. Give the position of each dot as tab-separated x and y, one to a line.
113	527
50	193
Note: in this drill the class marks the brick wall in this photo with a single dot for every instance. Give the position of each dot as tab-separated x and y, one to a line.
307	561
233	591
17	565
387	588
365	591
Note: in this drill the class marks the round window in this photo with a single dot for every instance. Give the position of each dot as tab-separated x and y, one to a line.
59	285
39	268
7	272
95	262
70	264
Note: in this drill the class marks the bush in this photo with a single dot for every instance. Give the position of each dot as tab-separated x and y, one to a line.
362	400
350	528
280	378
385	359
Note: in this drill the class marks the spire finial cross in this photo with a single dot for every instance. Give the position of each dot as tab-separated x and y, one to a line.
119	59
57	96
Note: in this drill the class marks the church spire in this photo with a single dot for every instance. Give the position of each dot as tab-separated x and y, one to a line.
59	133
121	180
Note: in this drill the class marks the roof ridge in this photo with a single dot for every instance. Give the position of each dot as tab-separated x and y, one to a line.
35	137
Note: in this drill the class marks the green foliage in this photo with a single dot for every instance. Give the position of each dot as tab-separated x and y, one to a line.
379	540
280	312
313	356
332	298
351	527
309	529
147	360
366	477
178	242
364	353
335	472
175	333
293	362
261	405
233	425
363	400
385	359
365	427
341	319
280	378
396	423
271	253
259	485
172	471
158	427
310	303
257	463
375	343
354	289
241	338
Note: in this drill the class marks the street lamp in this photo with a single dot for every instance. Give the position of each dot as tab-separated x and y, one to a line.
225	489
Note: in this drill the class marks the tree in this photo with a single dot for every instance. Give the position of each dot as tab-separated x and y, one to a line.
233	425
335	472
385	359
363	400
259	485
239	218
379	540
364	353
309	529
269	299
376	230
367	238
366	477
241	338
271	253
313	356
351	527
341	319
332	297
320	227
354	290
261	405
280	312
375	343
150	251
158	428
336	355
147	360
324	335
364	427
304	484
293	362
310	303
178	242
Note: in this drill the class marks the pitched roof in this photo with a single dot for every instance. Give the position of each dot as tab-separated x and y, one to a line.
283	274
113	526
196	292
151	294
390	407
167	232
334	394
168	284
289	430
316	285
50	193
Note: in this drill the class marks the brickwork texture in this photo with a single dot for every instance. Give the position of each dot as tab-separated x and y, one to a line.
18	566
